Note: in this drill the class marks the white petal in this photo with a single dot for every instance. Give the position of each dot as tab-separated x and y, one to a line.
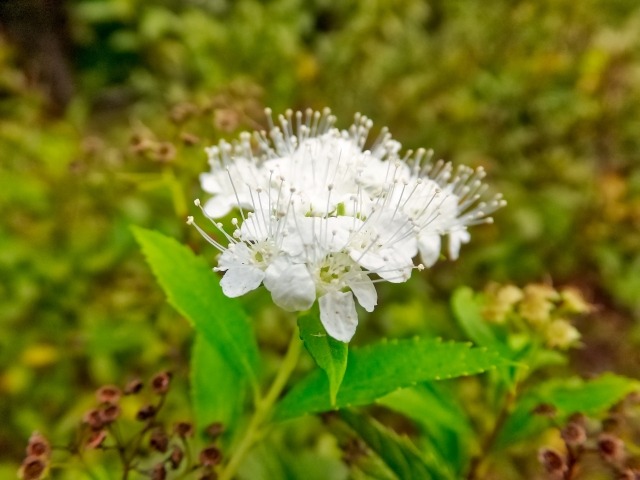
392	265
210	182
291	285
235	256
429	246
219	206
338	315
240	280
365	292
456	239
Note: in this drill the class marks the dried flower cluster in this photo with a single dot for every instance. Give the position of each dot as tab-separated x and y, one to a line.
597	447
539	308
322	217
156	450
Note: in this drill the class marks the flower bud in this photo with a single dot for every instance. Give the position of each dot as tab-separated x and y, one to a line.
536	306
561	334
573	301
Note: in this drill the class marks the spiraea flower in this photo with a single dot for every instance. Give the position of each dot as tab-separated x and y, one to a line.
319	215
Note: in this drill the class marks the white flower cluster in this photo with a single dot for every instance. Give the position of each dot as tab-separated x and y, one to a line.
321	217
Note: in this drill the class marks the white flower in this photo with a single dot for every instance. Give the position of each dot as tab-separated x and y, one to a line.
320	217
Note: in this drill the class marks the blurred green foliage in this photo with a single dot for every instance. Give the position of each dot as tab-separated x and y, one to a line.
543	94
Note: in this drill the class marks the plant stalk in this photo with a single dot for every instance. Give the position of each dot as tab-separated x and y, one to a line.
264	407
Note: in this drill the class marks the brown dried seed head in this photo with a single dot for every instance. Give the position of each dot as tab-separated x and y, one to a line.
545	410
176	457
611	448
146	412
165	152
38	446
110	413
210	456
133	387
574	434
189	138
95	439
579	418
32	468
630	474
93	418
108	394
182	112
552	461
159	441
214	430
159	472
183	429
161	382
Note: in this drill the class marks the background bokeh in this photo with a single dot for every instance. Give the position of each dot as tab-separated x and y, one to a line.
106	106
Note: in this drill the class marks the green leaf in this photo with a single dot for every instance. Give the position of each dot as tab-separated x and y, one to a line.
194	291
568	396
377	370
218	391
329	354
467	312
398	453
435	408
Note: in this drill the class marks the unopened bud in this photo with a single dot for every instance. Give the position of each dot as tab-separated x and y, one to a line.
573	301
561	334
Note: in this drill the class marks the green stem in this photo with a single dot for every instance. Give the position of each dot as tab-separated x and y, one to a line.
264	407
